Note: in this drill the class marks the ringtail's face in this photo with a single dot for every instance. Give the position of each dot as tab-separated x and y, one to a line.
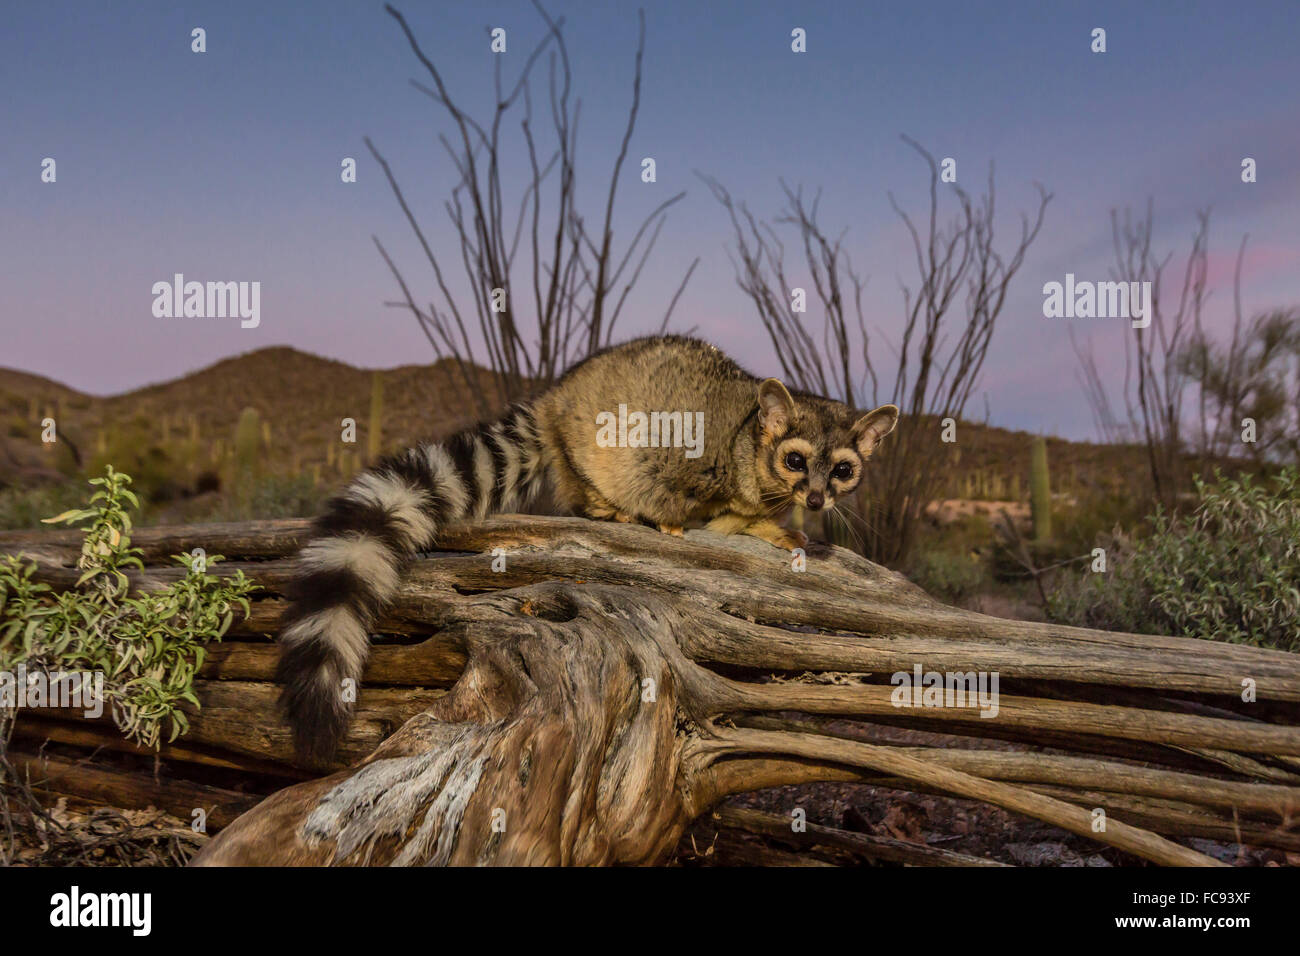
812	451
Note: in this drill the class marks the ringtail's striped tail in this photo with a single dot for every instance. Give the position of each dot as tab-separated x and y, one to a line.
351	566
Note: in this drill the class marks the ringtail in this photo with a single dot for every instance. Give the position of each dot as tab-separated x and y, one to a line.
763	448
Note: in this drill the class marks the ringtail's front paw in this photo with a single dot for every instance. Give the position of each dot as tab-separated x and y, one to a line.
773	533
791	540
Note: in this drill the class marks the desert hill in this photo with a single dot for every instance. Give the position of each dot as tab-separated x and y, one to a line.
301	400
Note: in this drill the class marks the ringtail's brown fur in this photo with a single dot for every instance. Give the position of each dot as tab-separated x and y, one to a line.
763	449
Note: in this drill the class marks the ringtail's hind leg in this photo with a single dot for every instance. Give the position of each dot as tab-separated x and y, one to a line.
595	506
598	508
763	528
581	497
604	509
574	493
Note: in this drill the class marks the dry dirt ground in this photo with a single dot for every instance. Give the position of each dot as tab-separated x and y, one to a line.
64	833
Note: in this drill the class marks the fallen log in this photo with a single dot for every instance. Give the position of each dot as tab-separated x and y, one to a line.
868	846
86	781
585	703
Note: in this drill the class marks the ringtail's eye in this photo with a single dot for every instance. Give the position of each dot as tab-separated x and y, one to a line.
795	462
842	472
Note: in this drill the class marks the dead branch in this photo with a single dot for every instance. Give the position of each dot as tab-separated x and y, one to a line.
574	285
943	343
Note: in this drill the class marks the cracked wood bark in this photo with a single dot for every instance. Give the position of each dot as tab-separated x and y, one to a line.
549	747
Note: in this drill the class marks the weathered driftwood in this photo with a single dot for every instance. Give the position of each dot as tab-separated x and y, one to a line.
611	684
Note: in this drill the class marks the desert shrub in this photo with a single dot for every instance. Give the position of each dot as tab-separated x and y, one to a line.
133	448
270	496
27	507
951	560
1228	570
207	481
1094	512
949	577
148	647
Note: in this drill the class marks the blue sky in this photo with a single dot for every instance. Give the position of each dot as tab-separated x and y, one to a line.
225	165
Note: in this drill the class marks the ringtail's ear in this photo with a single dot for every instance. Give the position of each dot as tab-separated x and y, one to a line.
775	408
873	426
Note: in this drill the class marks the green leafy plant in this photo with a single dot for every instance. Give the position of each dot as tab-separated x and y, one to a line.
1228	570
147	646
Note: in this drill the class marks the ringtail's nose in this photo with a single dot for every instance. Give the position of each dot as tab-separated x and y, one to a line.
815	500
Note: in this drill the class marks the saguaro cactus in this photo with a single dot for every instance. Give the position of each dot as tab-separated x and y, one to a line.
375	432
248	433
1040	491
191	446
248	441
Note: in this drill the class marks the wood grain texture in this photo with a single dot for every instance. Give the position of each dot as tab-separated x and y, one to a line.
584	706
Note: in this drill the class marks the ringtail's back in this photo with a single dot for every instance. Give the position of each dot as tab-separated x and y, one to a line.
665	431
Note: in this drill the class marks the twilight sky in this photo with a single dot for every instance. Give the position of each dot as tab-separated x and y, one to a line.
225	165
